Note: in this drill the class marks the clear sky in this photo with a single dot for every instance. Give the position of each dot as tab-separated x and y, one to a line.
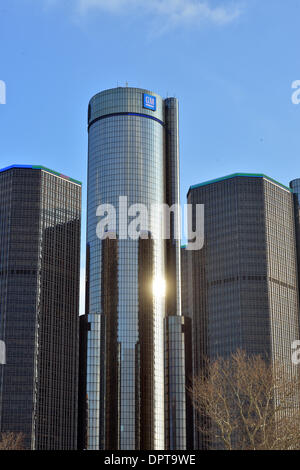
231	64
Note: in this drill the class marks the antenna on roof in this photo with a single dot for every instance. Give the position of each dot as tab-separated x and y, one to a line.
126	84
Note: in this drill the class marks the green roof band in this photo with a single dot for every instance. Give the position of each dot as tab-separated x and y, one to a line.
235	175
39	167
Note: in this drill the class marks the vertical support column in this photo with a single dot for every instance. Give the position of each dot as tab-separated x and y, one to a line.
172	197
82	431
174	339
175	381
146	344
110	312
187	310
188	351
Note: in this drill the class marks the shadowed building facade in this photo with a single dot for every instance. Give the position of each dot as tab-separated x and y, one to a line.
39	301
134	153
244	280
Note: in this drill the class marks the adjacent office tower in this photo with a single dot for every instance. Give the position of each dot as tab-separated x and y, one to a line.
39	286
295	187
244	280
134	396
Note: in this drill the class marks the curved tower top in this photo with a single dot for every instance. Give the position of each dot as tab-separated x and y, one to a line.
126	101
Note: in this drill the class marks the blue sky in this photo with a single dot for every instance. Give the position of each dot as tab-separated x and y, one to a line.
231	64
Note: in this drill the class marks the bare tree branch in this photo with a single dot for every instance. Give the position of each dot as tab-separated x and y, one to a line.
246	403
11	441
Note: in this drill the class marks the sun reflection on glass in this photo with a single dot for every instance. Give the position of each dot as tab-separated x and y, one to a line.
159	287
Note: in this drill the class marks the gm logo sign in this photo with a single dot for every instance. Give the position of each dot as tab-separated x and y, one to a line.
149	102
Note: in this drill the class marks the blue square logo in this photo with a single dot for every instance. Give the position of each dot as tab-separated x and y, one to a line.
149	102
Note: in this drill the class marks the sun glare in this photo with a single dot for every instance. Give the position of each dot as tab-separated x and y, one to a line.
159	287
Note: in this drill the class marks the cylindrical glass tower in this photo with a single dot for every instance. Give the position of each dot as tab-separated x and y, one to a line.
128	156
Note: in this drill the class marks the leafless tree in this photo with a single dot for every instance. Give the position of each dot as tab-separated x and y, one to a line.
245	403
11	441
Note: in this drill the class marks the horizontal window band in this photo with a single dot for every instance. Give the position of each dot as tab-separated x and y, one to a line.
125	114
249	278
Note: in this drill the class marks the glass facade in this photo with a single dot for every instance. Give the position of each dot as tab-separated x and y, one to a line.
175	397
244	280
39	284
125	329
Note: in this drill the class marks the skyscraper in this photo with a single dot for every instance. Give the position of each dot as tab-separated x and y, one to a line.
39	300
134	396
244	280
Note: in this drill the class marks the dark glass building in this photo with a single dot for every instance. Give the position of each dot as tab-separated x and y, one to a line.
134	396
244	280
39	302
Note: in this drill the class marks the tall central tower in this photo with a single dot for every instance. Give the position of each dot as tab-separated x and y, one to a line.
133	327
